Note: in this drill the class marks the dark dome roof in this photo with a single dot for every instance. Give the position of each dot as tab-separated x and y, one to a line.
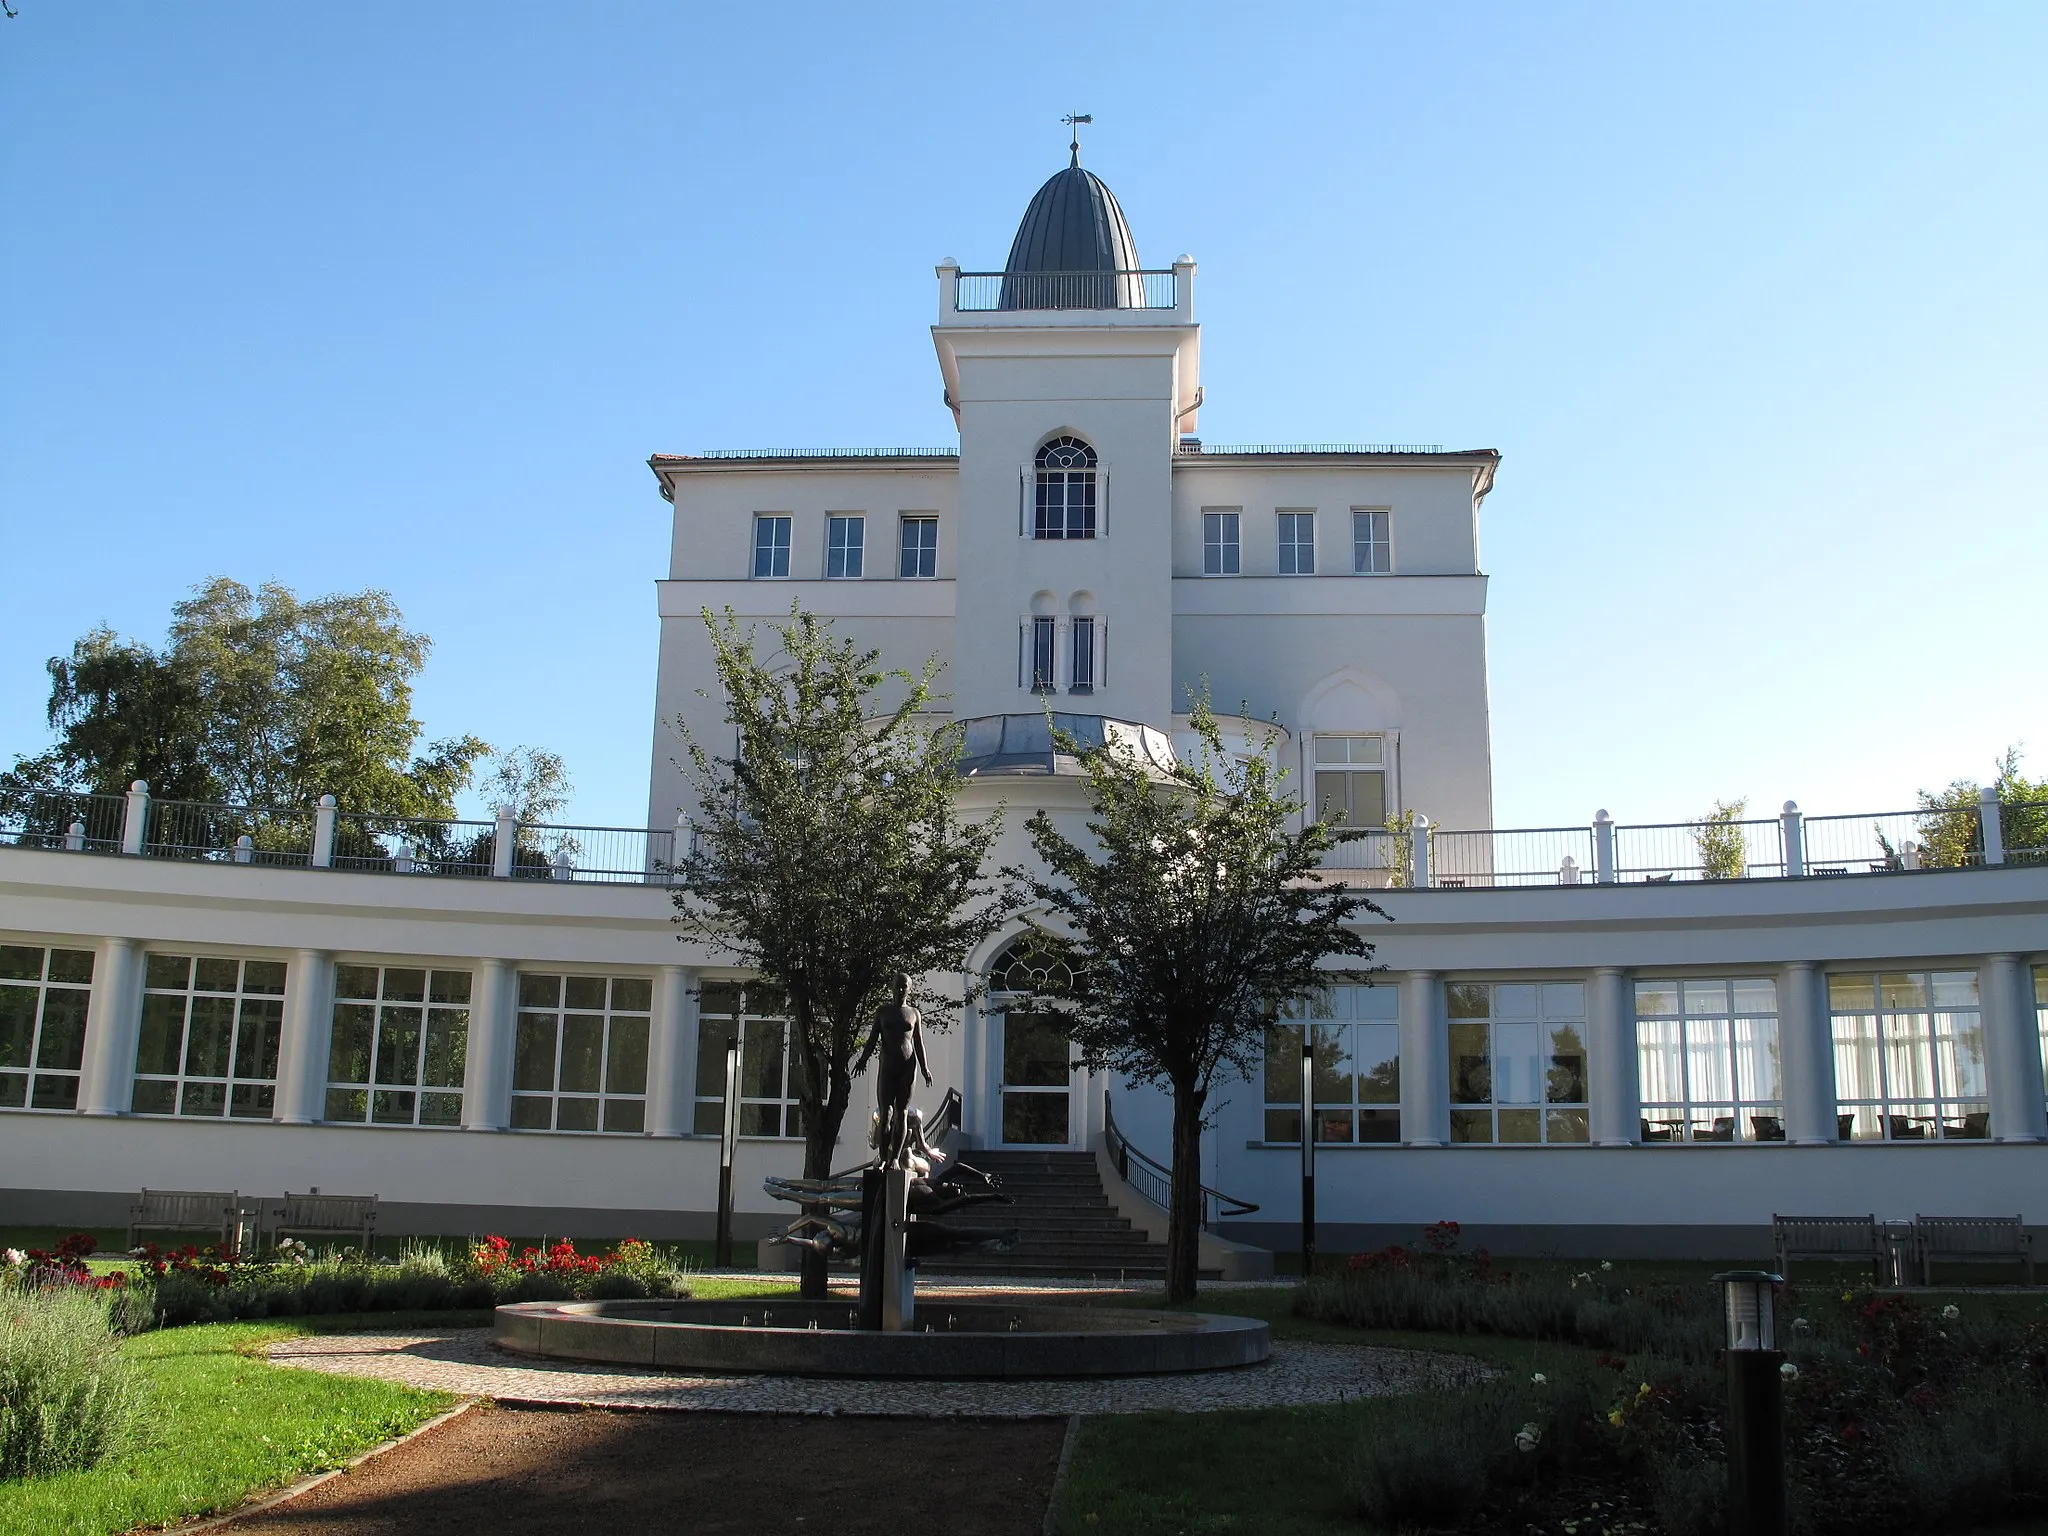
1073	225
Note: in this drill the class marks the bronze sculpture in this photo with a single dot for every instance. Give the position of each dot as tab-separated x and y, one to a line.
901	1044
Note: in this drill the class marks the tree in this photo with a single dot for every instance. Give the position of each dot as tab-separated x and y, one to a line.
830	852
1724	851
1192	922
259	699
1950	834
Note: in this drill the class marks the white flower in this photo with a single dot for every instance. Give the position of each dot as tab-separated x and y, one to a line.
16	1257
1586	1275
1951	1312
1607	1263
1540	1380
1789	1371
1528	1437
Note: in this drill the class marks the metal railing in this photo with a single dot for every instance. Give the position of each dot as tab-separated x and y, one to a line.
818	453
1672	851
981	292
1536	856
1197	447
616	854
79	823
1154	1180
1373	851
227	834
408	845
1890	842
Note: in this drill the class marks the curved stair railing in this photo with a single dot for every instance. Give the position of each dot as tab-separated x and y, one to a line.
1154	1180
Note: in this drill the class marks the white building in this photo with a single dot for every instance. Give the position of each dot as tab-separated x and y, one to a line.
1581	1046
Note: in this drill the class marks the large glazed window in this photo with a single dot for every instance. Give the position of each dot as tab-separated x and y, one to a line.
579	1059
210	1028
1351	780
1355	1034
751	1014
43	997
1909	1056
399	1047
1066	490
1707	1054
1518	1061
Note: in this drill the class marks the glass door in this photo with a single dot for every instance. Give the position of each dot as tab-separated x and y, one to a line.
1036	1090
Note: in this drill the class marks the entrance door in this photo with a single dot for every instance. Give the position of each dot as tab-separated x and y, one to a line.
1037	1081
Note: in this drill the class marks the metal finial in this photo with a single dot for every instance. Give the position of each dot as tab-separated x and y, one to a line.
1074	120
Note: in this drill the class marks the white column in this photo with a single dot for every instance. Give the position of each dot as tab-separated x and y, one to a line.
672	1053
1793	824
323	833
2012	1051
1425	1062
1994	829
487	1077
1615	1095
1603	848
135	817
308	1031
504	843
113	1019
1806	1052
1418	854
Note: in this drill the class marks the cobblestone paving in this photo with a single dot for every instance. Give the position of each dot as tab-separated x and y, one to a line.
464	1361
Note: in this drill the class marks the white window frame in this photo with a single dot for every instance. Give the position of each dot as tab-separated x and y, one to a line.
48	1086
624	1004
846	544
1078	625
1349	1023
1897	1043
1079	499
260	1010
1701	1007
713	1022
1314	766
1222	541
922	553
417	1086
1557	1122
1379	538
1291	549
776	547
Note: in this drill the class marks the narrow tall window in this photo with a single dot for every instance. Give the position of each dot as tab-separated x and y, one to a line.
1297	543
1372	543
1518	1061
399	1047
1083	642
1219	544
1351	780
1066	490
1042	632
579	1059
771	546
2041	1013
751	1014
210	1029
919	555
845	547
1707	1059
1909	1057
43	997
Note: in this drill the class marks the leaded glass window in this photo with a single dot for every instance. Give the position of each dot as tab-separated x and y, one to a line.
1355	1035
1066	487
210	1031
579	1055
43	998
752	1014
1518	1061
399	1047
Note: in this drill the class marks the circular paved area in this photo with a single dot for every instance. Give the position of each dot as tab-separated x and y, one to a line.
463	1361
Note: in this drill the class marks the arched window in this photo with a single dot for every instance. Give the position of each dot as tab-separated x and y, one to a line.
1066	490
1026	965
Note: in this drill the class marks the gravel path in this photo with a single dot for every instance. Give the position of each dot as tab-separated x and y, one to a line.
464	1361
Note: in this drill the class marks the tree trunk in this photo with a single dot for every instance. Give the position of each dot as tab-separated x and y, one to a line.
819	1144
1184	1214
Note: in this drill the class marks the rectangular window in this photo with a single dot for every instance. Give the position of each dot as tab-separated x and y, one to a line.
1351	780
751	1014
1372	543
399	1046
1518	1061
1043	633
579	1057
43	997
210	1028
919	553
1297	543
1219	544
1909	1057
1356	1041
1082	635
845	547
2041	1013
771	546
1707	1055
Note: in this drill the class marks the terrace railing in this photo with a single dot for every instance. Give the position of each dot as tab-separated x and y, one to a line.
985	292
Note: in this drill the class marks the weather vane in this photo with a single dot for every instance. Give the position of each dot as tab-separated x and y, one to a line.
1074	120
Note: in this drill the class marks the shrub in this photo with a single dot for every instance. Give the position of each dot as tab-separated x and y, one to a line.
1688	1494
616	1285
67	1398
1431	1462
181	1299
537	1285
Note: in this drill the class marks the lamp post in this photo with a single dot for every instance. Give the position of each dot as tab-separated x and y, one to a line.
728	1140
1308	1149
1756	1405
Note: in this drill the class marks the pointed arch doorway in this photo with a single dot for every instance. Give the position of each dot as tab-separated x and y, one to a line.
1035	1080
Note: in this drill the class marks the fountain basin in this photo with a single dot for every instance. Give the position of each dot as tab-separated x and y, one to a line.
948	1340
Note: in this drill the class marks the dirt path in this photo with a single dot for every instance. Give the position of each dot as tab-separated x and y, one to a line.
526	1471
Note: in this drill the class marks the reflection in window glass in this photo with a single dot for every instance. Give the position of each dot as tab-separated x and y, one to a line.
1355	1038
1297	543
1518	1061
210	1030
43	997
752	1014
579	1054
1909	1056
1707	1061
918	555
399	1046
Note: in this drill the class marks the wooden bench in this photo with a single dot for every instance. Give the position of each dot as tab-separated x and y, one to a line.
1829	1237
218	1212
1972	1240
326	1216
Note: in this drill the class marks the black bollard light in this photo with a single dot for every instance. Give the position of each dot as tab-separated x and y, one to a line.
1308	1150
1756	1405
728	1144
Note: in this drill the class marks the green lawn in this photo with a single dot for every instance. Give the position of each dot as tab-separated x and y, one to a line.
220	1423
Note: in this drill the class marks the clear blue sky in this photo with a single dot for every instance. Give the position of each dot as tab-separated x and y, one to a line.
1751	298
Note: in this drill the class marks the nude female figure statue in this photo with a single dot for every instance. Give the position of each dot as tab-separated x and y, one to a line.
901	1042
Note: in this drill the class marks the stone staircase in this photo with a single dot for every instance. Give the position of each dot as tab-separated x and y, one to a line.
1066	1226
